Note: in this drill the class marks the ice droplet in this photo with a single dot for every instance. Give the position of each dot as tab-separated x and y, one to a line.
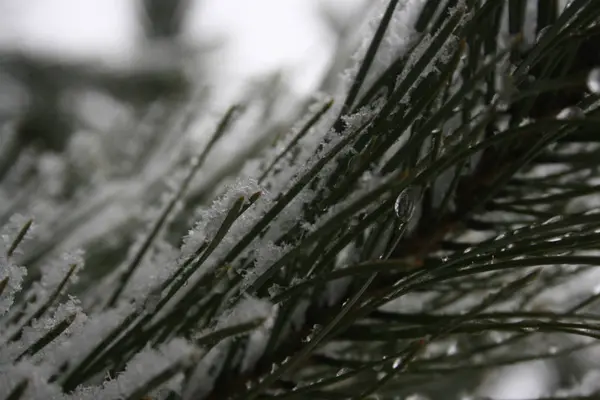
593	81
570	113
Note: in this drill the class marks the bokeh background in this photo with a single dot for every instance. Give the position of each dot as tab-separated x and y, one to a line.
247	38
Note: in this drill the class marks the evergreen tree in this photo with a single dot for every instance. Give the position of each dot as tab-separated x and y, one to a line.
431	220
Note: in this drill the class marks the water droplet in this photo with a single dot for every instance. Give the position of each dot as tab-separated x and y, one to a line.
452	349
501	236
404	207
397	363
542	32
530	329
416	396
502	123
554	239
593	81
498	337
552	220
570	113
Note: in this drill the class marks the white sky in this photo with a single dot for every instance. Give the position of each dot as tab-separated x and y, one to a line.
262	35
73	28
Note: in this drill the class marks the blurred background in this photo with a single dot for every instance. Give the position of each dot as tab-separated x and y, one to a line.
67	65
228	40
